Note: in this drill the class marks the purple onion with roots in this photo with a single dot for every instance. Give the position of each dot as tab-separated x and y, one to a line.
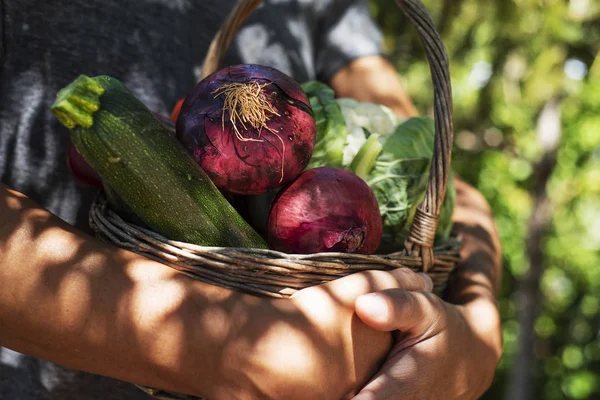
249	127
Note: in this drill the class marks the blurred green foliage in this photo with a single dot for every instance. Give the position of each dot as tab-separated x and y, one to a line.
508	59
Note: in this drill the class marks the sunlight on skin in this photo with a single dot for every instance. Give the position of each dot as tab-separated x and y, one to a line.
379	84
74	283
318	306
152	304
74	314
295	361
488	319
321	306
409	364
140	321
403	371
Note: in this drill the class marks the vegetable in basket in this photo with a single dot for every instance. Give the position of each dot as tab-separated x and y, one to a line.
398	173
341	129
249	127
151	172
325	210
331	129
415	138
85	175
342	125
393	159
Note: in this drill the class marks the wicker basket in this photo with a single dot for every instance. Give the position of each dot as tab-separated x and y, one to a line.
274	274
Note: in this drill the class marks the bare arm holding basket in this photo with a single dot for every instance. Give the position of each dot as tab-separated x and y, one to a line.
449	349
82	303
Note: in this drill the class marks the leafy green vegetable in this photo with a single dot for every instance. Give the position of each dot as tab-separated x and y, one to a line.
331	128
399	177
398	186
415	138
343	125
363	119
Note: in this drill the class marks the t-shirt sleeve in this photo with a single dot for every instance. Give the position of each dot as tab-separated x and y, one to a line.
346	32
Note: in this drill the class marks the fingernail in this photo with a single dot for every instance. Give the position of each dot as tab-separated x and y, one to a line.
428	282
374	306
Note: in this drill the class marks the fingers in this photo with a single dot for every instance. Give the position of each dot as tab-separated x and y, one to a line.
378	388
344	291
395	309
352	286
409	280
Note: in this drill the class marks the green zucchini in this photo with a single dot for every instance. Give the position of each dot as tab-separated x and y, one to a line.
148	168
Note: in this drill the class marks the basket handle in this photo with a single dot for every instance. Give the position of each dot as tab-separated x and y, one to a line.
225	35
422	232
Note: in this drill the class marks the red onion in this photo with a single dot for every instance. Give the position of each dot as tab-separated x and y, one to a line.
325	210
249	127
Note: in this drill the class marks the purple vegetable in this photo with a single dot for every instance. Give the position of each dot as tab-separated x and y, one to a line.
325	210
249	127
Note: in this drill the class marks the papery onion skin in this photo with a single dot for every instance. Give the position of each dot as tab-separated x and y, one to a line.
325	210
275	155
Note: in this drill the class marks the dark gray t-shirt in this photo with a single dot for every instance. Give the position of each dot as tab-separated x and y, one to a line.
156	47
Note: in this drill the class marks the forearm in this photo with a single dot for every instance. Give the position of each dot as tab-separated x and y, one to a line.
478	274
87	305
84	304
475	283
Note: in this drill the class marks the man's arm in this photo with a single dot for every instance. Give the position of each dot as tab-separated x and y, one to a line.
85	304
475	283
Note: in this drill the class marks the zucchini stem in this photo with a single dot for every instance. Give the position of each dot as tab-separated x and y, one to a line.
75	104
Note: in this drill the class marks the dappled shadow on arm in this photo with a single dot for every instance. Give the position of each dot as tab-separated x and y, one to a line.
343	351
478	274
110	312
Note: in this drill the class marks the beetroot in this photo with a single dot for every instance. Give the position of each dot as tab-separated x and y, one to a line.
325	210
249	127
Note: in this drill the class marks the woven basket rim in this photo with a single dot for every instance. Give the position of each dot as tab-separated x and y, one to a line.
259	272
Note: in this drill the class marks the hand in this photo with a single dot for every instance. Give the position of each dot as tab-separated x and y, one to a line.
442	351
311	346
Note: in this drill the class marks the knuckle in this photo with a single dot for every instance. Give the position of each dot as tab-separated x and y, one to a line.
409	279
380	278
402	305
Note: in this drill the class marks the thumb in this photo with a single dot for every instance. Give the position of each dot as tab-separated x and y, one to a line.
396	309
